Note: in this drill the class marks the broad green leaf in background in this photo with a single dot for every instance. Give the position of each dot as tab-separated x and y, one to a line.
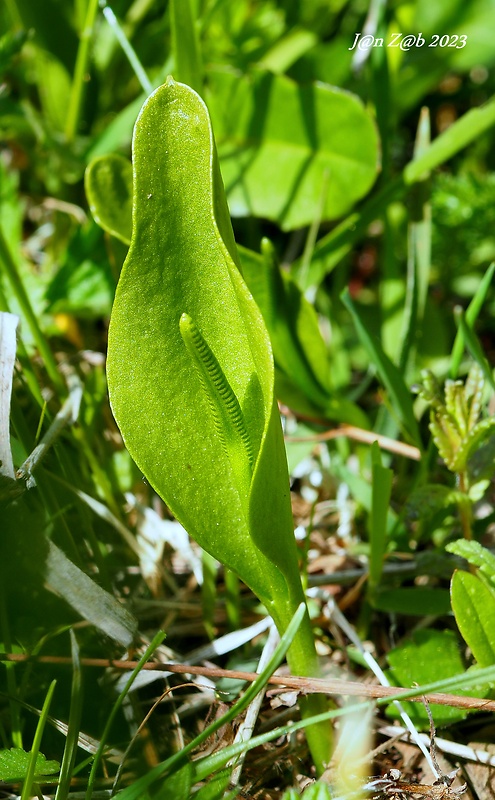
330	249
14	765
190	367
108	185
429	654
277	142
473	604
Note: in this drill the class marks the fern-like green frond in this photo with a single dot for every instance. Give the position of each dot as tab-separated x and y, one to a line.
225	407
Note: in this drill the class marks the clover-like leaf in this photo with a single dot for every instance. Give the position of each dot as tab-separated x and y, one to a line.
14	765
281	144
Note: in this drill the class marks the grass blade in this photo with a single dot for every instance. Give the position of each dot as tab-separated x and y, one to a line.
156	641
80	70
464	131
419	256
473	345
72	740
381	490
207	766
128	49
387	371
185	45
470	317
31	772
10	268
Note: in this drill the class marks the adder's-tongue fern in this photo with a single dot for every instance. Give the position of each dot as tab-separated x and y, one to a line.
226	411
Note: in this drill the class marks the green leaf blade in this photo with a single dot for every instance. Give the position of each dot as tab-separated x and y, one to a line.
277	171
430	653
181	261
182	265
14	765
474	609
381	490
108	186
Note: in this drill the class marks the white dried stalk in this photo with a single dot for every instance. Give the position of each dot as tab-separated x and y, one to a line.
246	728
8	327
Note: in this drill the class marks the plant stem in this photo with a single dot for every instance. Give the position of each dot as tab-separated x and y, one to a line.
76	95
465	511
232	599
302	659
